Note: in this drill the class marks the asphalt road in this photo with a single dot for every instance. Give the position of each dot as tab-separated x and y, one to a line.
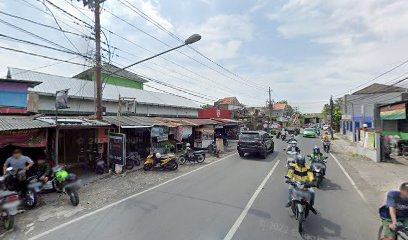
211	204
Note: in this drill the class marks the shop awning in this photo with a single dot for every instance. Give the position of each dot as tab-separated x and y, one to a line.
227	122
21	123
201	121
175	122
134	121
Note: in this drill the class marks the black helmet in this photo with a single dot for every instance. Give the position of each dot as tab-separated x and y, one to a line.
316	150
300	160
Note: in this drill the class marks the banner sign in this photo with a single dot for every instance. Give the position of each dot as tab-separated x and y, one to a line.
24	138
393	112
162	133
183	132
117	148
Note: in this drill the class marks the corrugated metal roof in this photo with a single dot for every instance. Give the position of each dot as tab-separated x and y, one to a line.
175	122
134	121
85	89
201	121
21	123
110	69
73	122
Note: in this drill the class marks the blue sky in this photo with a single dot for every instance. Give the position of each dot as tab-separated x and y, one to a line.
305	50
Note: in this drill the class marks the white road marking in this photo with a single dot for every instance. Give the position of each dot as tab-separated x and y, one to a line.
251	201
123	200
350	179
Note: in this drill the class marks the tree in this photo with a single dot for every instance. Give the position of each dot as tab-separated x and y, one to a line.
337	113
205	106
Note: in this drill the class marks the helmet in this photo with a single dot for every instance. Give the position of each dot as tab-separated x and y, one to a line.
300	160
187	144
61	175
316	150
158	155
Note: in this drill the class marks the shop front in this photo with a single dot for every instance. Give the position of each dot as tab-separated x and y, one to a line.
25	133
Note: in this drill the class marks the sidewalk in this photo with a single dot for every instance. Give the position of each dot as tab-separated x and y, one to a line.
373	179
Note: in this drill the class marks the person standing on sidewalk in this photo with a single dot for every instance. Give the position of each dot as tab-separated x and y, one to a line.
395	210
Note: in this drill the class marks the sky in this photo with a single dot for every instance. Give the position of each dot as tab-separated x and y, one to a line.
305	50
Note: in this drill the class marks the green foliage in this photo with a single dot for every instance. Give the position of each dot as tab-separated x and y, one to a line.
205	106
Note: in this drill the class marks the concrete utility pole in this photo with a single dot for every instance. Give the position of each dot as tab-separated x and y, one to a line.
98	75
270	109
331	117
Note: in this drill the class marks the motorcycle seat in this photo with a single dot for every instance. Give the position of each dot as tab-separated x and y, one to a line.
200	152
4	194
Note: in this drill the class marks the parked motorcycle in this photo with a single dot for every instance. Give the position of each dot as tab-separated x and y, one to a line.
27	187
9	202
132	160
191	156
300	200
156	160
66	183
326	146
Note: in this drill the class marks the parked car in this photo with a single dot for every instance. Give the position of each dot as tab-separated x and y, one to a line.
259	142
309	132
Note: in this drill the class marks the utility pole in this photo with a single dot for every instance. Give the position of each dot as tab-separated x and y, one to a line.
98	75
270	110
331	117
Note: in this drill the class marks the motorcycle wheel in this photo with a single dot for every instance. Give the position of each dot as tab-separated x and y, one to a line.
56	187
137	162
241	154
147	166
300	222
9	221
74	197
200	159
318	182
31	198
172	165
130	165
182	160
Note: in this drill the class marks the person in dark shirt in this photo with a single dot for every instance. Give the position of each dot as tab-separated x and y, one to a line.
43	170
395	210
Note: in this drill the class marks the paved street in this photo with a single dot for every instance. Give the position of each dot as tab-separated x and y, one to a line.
206	203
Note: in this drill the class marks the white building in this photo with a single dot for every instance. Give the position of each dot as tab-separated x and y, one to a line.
82	100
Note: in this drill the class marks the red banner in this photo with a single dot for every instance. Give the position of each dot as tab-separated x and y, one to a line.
24	138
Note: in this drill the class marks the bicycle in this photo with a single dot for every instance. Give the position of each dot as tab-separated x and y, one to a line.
401	232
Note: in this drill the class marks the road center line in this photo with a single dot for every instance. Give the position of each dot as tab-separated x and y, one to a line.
124	199
241	217
350	179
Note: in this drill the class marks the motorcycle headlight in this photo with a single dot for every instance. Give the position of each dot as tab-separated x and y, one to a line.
317	170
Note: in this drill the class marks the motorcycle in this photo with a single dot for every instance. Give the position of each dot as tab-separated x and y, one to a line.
326	146
291	158
28	188
300	200
191	156
66	183
9	203
132	160
318	168
156	160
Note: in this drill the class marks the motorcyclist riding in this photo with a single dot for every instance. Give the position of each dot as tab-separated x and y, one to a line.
395	210
293	147
301	172
316	155
283	132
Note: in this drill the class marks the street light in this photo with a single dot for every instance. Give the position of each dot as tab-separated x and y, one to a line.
192	39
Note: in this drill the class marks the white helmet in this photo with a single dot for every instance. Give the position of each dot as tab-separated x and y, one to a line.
158	155
187	144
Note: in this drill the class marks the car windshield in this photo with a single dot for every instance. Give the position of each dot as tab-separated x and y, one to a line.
309	129
249	136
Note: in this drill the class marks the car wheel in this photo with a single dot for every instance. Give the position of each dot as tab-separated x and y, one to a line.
263	155
273	148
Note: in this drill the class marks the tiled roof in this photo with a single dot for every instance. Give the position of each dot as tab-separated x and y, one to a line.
228	100
8	123
80	88
379	88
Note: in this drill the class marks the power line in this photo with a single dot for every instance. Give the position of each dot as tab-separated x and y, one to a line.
42	56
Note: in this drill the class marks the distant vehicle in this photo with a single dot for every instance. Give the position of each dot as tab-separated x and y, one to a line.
259	142
325	127
309	132
305	126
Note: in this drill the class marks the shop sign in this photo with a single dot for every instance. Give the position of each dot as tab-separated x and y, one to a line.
117	148
24	138
393	112
208	134
183	132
